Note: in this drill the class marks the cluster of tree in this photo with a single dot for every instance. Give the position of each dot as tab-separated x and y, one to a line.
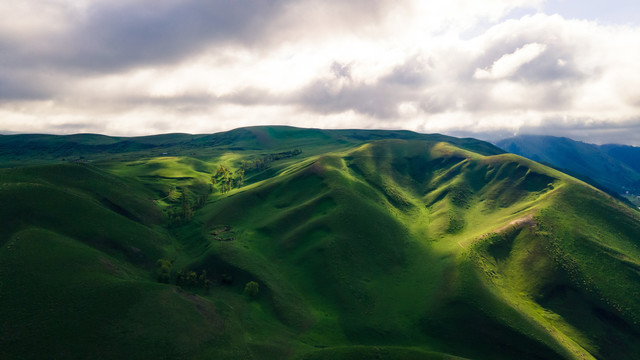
265	161
183	213
182	278
191	279
226	180
189	203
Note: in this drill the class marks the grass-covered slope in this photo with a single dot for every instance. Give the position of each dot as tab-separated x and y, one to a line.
391	245
78	247
408	242
84	203
62	299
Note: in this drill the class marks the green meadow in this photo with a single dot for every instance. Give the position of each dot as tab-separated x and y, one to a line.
286	243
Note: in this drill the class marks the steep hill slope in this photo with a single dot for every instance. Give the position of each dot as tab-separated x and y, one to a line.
396	245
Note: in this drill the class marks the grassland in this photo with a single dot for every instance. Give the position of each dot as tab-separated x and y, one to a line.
364	245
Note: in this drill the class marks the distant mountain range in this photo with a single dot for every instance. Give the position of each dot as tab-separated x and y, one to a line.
616	167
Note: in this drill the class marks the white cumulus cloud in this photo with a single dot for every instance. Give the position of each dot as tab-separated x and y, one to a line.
508	64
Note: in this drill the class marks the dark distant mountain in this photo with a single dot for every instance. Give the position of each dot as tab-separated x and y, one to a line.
616	167
629	155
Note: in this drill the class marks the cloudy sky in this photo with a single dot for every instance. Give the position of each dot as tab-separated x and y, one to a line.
486	68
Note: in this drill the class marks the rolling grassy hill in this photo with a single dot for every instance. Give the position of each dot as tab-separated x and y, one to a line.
366	244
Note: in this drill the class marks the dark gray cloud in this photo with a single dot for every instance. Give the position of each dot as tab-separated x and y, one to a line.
341	70
117	35
381	99
112	37
325	97
14	87
414	73
341	92
25	84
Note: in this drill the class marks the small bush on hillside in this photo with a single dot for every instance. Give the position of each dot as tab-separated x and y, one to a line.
164	270
252	289
227	279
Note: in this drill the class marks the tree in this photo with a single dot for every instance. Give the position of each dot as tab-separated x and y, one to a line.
180	278
202	200
223	177
164	270
193	279
226	186
203	277
187	211
239	178
252	289
222	171
204	282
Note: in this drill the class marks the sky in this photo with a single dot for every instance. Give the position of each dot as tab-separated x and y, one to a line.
488	69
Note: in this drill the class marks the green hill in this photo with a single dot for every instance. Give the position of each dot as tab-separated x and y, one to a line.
363	244
18	150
